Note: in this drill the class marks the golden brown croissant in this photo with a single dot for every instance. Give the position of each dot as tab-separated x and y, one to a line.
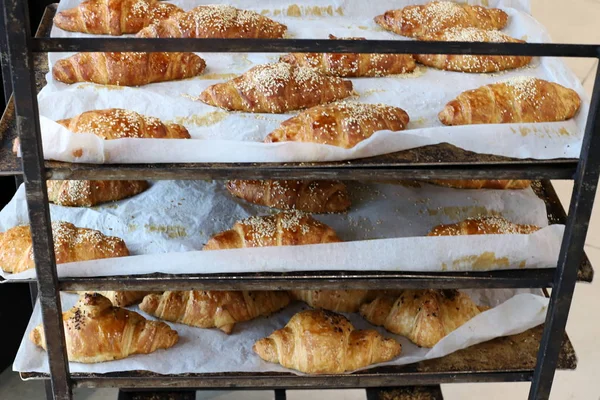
276	88
507	184
117	123
309	196
482	226
283	229
120	298
521	99
334	300
418	20
217	22
95	331
353	64
423	316
472	63
342	124
91	193
114	17
127	69
214	309
322	342
70	244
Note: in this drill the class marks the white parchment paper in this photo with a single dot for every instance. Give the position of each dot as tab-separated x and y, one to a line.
210	350
236	137
384	229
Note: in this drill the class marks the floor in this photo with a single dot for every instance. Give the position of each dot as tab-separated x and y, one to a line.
569	22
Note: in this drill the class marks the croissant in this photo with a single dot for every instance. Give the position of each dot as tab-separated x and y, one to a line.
95	331
471	63
521	99
217	22
114	17
321	342
353	64
507	184
213	309
91	193
121	298
309	196
70	244
418	20
276	88
127	69
342	124
423	316
283	229
117	123
482	226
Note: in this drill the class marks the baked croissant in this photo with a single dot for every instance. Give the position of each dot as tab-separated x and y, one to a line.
91	193
95	331
276	88
121	298
507	184
321	342
213	309
345	301
217	22
521	99
117	123
127	69
418	20
283	229
70	244
472	63
353	64
114	17
482	226
342	124
309	196
423	316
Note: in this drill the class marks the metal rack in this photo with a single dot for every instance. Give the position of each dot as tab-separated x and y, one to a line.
531	356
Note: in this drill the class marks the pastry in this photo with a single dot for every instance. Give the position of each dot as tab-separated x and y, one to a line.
322	342
342	124
121	298
213	309
423	316
116	123
114	17
276	88
309	196
283	229
418	20
482	226
217	22
70	244
345	301
127	69
91	193
521	99
507	184
95	331
353	64
472	63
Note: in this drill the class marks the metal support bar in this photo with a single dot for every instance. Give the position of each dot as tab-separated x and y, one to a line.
314	45
17	23
280	394
580	211
6	79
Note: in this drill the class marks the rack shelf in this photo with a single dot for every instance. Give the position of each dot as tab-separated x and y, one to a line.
442	161
510	358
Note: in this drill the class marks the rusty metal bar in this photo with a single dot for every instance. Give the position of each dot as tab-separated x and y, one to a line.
571	253
21	61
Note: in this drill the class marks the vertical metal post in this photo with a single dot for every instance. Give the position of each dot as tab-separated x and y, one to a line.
280	394
27	120
580	211
4	59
